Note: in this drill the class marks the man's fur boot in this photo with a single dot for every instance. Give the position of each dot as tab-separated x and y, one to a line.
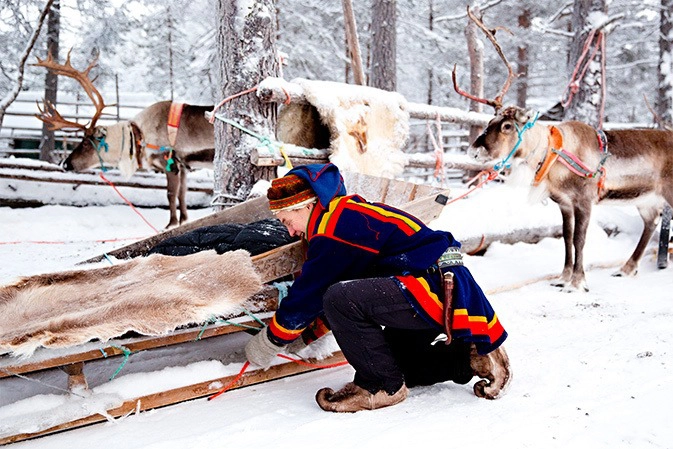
493	367
352	398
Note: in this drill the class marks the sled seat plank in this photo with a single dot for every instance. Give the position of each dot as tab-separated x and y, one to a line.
186	393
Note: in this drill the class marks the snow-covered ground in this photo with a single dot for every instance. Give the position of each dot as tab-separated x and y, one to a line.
591	370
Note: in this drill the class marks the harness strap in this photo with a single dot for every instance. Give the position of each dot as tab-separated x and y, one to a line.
173	124
555	140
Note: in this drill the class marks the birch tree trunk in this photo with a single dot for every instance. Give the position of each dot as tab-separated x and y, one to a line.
246	49
586	101
47	143
384	45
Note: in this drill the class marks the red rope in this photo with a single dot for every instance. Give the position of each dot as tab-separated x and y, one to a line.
128	202
490	176
67	242
231	384
229	98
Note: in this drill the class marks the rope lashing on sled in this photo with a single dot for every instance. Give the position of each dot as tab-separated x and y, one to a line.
231	384
505	163
213	320
128	202
126	352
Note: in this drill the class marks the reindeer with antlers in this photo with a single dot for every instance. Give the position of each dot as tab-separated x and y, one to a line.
150	140
580	166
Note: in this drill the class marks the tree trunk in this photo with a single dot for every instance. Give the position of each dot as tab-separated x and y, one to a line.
431	75
384	45
664	108
47	144
353	43
246	49
587	102
475	50
522	86
663	105
11	96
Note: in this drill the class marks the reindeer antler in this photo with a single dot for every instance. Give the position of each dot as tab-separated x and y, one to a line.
54	120
49	114
496	103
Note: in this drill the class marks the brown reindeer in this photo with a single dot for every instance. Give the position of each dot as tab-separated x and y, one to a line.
141	143
579	166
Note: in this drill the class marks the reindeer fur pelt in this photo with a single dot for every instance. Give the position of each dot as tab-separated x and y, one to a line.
364	128
151	295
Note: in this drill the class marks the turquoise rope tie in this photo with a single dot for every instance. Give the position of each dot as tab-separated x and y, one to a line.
262	139
100	144
214	320
126	352
505	163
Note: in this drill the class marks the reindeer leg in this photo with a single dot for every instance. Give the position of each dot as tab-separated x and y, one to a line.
582	215
172	187
650	216
568	226
182	194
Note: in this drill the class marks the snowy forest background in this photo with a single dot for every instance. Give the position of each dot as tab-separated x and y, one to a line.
169	48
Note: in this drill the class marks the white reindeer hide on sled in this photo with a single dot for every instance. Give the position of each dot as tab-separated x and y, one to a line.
364	128
151	295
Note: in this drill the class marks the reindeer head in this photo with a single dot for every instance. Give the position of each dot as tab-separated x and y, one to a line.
90	152
85	155
501	134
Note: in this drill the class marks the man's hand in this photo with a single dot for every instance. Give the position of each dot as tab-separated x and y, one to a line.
260	350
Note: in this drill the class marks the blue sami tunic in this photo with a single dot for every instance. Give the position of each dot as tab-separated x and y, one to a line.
350	238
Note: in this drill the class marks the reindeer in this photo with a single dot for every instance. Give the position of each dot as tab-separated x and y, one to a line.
580	166
146	141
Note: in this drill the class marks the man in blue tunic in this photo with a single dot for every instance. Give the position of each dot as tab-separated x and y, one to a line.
376	277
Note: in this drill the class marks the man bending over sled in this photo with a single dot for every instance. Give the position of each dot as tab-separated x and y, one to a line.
378	278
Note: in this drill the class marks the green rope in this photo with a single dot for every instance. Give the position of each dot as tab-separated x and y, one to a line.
262	139
125	351
214	319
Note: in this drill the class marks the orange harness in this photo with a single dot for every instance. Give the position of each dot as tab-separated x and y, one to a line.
555	150
555	141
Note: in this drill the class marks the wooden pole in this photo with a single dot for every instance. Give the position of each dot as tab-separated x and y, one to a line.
353	43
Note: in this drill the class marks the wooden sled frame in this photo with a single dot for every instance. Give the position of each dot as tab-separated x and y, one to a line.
423	201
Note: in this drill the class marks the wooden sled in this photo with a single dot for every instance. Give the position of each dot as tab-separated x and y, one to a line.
423	201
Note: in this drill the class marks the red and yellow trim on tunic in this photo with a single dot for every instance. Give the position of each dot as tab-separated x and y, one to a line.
477	325
405	224
283	333
428	300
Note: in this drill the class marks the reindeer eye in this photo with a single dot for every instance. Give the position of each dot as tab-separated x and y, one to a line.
507	127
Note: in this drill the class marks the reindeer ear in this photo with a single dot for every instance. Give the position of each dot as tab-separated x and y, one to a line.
100	132
523	115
